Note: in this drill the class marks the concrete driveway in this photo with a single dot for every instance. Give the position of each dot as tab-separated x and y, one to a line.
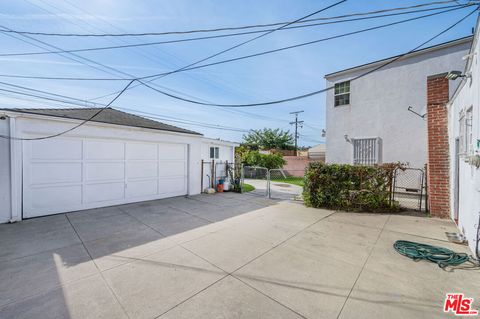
223	256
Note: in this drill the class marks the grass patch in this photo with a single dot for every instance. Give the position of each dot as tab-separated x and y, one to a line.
299	181
248	188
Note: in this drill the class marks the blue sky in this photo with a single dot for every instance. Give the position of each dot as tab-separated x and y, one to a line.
270	77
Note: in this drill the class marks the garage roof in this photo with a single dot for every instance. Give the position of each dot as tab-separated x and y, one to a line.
108	115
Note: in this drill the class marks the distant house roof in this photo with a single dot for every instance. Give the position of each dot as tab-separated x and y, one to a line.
463	40
108	115
219	141
317	148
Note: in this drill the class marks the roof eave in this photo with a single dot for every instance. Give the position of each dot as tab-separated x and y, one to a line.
406	56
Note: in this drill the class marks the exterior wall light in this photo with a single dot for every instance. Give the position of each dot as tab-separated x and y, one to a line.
453	75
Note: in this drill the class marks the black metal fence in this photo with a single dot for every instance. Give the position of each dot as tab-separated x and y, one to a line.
409	189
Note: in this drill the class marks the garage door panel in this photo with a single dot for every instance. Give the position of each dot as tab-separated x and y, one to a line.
142	151
172	152
172	168
52	172
66	174
142	169
54	196
104	192
96	150
142	188
60	149
176	186
104	171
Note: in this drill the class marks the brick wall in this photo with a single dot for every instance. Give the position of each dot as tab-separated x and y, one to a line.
438	150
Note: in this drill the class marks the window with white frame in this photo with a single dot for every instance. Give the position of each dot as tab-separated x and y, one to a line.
214	152
367	151
468	132
342	93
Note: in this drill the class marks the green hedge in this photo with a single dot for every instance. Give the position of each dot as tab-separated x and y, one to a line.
349	187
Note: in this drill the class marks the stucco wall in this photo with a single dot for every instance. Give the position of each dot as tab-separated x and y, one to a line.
5	207
378	107
296	165
469	176
226	153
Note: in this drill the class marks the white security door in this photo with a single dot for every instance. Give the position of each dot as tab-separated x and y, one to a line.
68	174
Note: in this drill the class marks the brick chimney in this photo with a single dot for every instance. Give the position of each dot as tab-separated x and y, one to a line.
438	150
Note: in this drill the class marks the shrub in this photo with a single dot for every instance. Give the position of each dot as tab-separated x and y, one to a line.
255	158
349	187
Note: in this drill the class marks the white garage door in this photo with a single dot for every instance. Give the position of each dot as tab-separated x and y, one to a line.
67	174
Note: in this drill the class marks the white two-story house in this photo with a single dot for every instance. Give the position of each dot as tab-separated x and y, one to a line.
378	118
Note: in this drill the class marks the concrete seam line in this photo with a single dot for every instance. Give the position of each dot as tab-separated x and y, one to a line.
269	297
198	292
363	267
265	252
99	271
133	259
282	242
188	213
58	286
141	222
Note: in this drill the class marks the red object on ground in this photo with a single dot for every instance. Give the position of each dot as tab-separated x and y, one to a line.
220	188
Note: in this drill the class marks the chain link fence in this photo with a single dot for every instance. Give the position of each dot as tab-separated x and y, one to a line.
286	185
409	188
257	178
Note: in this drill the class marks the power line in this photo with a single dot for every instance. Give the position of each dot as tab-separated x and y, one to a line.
126	46
307	94
154	77
227	28
44	43
381	66
72	128
323	90
83	103
147	114
191	64
229	60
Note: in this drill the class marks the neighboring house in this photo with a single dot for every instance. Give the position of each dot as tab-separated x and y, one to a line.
463	154
115	158
367	120
216	154
317	153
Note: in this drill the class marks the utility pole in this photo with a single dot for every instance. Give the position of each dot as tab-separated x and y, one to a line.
297	124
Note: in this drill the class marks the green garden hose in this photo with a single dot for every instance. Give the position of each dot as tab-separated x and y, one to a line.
443	257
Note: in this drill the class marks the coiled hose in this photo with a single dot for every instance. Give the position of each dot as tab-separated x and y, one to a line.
443	257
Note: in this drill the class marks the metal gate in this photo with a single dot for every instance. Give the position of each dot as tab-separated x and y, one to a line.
256	177
285	184
409	188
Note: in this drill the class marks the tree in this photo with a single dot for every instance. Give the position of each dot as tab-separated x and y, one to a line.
255	158
268	138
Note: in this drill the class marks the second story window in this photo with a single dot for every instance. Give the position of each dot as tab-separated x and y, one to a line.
214	152
342	93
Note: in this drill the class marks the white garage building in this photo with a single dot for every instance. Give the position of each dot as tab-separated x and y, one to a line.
116	158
